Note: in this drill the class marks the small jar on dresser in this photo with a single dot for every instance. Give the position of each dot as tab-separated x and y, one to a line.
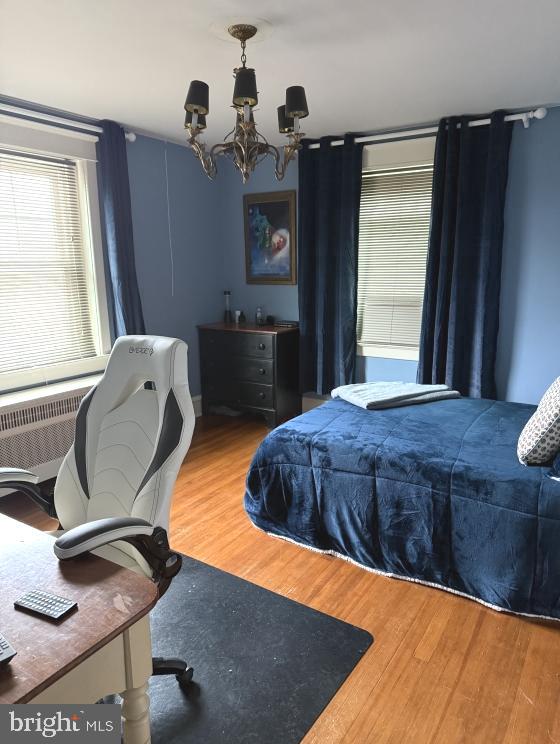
252	368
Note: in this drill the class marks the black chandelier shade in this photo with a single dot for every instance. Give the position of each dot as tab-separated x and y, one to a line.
285	123
296	103
245	89
197	98
200	123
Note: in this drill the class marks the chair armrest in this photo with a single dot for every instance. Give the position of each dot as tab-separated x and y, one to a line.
27	482
151	542
17	474
92	535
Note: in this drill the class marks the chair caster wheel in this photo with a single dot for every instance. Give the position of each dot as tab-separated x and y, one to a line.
185	677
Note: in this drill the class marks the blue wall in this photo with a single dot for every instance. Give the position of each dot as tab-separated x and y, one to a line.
174	308
208	250
208	247
529	341
391	370
281	300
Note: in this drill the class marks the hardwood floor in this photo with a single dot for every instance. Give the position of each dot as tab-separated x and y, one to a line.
442	668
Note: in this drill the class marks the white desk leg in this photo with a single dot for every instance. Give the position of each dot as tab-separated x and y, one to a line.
125	662
136	715
138	669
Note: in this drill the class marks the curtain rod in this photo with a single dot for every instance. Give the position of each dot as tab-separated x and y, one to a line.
59	122
524	116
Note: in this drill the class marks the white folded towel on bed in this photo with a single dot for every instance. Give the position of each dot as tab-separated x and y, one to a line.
378	395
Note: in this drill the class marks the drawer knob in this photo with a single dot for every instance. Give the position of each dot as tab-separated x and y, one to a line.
262	347
262	371
261	395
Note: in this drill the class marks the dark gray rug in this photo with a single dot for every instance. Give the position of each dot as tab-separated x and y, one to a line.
265	666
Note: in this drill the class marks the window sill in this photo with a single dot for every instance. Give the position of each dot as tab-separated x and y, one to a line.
387	352
37	393
39	377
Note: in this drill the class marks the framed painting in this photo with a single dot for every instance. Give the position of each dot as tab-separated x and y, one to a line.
270	237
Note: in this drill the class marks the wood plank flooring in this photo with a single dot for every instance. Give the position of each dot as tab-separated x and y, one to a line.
442	669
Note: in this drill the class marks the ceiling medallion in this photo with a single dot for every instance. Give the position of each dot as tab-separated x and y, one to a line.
244	145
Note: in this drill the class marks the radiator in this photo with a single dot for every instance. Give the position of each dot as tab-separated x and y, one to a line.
36	435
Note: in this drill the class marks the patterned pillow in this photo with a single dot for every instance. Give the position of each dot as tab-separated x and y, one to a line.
540	439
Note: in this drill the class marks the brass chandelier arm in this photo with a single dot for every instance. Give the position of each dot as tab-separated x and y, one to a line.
246	148
199	149
289	154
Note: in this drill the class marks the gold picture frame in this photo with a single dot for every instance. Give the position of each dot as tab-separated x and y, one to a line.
270	237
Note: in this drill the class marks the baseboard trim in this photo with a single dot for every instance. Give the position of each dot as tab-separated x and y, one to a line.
197	405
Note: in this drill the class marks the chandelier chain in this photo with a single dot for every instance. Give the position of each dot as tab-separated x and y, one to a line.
243	55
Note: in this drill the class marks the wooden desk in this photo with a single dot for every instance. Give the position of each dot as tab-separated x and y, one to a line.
102	648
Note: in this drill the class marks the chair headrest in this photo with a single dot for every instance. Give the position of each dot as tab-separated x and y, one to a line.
135	360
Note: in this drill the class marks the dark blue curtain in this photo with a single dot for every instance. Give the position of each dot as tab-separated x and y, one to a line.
114	190
329	209
462	297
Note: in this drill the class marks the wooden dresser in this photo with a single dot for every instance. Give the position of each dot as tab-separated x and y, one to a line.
251	368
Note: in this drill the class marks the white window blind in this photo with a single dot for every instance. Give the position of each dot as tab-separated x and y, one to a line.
394	228
46	313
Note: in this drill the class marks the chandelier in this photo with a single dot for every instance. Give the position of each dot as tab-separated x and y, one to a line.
244	145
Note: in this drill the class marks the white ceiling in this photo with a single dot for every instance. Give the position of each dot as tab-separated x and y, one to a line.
365	64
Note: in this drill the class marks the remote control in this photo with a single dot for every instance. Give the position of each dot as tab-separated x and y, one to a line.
7	653
43	603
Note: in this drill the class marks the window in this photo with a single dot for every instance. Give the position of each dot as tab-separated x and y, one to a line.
394	228
52	322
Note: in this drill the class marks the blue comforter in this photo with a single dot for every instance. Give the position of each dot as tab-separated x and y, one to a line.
431	492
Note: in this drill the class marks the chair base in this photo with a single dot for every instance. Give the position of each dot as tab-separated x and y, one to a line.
183	673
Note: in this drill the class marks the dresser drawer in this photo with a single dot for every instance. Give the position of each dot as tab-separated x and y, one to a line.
215	344
254	370
220	391
215	368
250	368
254	344
258	396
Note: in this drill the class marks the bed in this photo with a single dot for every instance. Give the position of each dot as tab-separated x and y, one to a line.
432	493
